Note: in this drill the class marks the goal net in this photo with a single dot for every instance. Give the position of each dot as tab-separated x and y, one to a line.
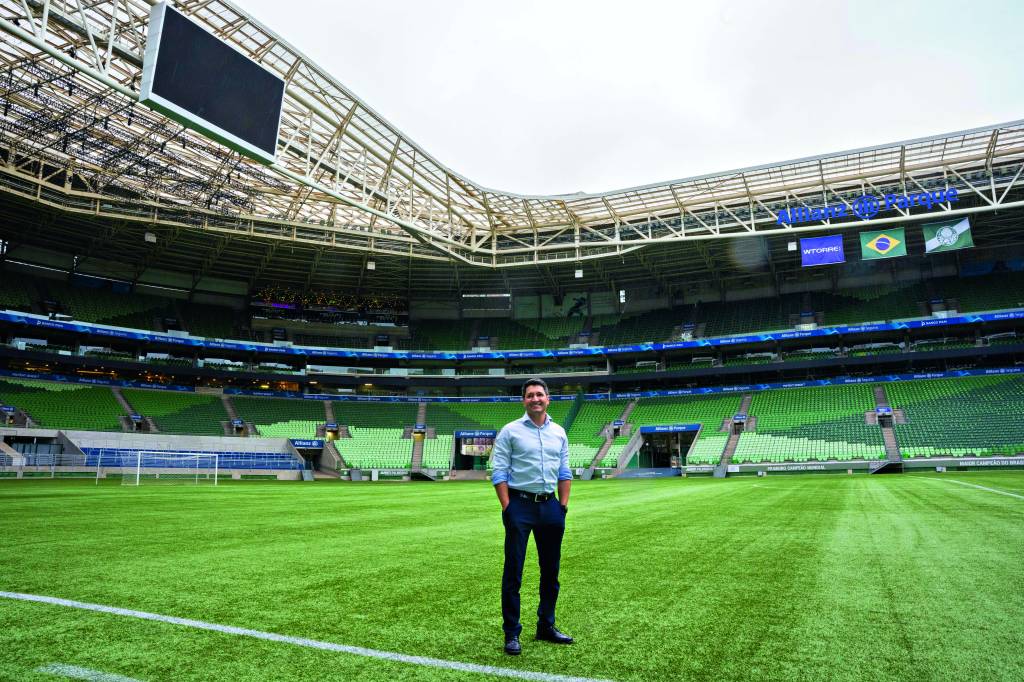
185	468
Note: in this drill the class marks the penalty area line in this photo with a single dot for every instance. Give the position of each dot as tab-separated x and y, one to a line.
302	641
979	487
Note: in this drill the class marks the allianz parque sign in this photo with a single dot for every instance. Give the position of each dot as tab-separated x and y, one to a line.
867	206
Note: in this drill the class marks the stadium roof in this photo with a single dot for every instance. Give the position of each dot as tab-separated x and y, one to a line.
73	137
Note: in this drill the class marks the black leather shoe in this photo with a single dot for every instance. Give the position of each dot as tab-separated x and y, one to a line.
554	636
512	646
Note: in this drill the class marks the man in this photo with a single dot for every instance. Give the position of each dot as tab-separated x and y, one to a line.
531	459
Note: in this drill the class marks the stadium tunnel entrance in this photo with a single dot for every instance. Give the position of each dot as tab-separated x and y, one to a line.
665	446
473	449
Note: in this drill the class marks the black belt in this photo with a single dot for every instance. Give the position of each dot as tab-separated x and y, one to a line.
533	497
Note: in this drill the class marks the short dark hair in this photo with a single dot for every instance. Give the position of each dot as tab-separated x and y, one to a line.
535	382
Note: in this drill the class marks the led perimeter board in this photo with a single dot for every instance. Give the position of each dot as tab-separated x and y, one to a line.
203	83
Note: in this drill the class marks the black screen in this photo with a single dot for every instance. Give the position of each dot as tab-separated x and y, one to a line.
214	82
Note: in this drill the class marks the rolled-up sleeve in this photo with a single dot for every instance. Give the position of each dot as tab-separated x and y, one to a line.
564	474
501	457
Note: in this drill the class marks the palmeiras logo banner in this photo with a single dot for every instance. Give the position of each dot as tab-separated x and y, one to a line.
884	244
822	250
948	236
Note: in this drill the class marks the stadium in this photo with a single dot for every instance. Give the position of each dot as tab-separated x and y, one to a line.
252	370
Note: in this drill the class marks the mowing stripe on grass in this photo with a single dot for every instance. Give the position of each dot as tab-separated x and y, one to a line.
979	487
302	641
78	673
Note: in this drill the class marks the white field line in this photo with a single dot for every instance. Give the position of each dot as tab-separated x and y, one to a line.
303	642
77	673
979	487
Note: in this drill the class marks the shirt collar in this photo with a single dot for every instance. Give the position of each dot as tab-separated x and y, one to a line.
526	420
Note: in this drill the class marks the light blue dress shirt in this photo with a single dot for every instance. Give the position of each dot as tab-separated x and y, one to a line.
531	458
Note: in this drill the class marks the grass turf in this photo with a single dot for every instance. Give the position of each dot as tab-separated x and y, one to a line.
782	578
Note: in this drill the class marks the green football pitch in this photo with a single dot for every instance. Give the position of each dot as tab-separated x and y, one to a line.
779	578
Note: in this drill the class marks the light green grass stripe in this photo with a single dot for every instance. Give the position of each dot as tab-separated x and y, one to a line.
79	673
301	641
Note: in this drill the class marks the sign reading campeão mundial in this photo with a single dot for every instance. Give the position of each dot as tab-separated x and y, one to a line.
867	206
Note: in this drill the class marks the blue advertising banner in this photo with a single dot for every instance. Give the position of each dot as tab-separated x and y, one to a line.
670	428
708	390
822	250
30	320
476	434
308	443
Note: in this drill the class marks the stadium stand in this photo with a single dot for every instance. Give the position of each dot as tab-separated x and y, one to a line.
504	333
867	304
592	417
16	293
448	418
555	329
655	325
708	448
986	292
818	423
281	417
64	406
135	311
611	458
394	416
437	452
741	317
960	417
184	413
438	335
212	321
376	448
709	412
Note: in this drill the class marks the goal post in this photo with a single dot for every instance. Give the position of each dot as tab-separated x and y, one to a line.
145	467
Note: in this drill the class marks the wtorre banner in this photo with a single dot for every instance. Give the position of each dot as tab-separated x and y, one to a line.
822	250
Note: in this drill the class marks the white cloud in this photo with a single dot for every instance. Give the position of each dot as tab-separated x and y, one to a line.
558	97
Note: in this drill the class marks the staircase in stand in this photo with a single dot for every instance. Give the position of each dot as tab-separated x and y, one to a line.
609	438
332	458
893	462
229	430
148	425
722	468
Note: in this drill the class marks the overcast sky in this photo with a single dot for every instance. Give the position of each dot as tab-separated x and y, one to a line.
558	97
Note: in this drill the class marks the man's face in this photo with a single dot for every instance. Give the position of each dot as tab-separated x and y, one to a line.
535	400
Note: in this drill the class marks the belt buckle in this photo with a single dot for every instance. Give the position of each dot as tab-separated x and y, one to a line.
540	497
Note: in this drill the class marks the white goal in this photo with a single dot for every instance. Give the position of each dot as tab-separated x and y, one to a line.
186	468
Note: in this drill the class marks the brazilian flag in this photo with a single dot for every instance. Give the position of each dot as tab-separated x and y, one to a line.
884	244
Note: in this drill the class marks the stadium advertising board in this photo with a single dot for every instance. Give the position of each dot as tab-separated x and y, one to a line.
822	250
867	206
38	321
73	379
307	443
670	428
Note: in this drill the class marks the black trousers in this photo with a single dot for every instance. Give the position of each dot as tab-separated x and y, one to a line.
546	521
